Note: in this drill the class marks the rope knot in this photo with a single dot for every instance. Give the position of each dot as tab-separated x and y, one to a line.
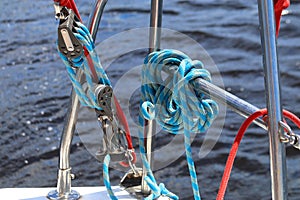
175	100
177	104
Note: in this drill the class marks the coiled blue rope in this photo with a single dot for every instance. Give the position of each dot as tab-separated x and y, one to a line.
176	104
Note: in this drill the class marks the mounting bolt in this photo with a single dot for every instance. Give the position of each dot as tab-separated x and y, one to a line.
72	176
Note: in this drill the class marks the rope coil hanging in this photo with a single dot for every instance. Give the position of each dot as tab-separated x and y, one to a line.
175	103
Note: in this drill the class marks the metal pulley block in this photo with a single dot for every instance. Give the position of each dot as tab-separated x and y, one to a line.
68	44
114	140
104	96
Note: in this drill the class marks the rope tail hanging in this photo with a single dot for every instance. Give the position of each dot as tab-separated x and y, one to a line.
106	179
177	104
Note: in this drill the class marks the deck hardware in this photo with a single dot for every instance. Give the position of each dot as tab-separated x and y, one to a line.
289	136
68	44
114	141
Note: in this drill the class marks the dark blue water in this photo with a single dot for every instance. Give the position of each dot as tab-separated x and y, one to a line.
35	92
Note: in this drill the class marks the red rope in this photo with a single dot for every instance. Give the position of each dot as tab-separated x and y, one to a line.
69	4
237	141
279	6
121	116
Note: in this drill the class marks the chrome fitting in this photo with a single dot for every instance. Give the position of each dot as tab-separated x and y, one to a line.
296	143
68	44
60	11
114	141
132	180
63	191
289	136
104	96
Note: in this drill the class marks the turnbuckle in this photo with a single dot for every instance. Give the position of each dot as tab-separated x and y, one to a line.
288	136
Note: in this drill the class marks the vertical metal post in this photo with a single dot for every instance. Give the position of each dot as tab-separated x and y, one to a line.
154	45
63	190
95	17
272	84
155	25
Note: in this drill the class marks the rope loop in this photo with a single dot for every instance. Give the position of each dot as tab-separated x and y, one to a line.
177	104
176	95
148	110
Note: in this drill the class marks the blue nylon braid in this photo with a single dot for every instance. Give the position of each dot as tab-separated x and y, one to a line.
76	84
86	96
176	104
157	190
106	177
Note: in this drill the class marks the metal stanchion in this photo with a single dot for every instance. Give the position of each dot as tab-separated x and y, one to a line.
63	190
154	45
272	84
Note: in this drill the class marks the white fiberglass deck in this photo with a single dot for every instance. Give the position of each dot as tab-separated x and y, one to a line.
87	193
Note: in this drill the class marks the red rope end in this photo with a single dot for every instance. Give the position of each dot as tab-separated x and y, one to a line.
279	6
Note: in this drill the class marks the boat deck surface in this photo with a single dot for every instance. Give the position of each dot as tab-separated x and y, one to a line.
87	193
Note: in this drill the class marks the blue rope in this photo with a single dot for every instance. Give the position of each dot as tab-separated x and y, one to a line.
177	104
86	98
182	107
106	177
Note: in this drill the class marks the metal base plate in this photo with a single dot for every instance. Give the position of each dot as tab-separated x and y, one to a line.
53	195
